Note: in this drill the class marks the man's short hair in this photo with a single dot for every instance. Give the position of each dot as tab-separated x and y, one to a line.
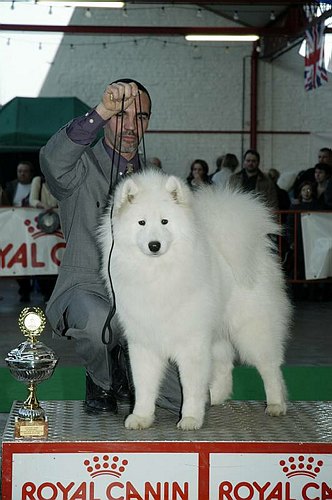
28	163
252	152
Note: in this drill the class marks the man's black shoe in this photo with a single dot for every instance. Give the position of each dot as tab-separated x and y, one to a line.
97	399
121	385
122	391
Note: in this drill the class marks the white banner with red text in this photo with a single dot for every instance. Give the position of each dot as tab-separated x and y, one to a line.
25	250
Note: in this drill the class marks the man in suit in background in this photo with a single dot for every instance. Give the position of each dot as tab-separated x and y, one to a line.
251	178
18	190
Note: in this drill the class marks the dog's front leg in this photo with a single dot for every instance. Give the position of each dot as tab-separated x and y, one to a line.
147	369
194	370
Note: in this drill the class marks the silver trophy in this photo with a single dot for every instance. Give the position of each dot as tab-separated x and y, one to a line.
31	362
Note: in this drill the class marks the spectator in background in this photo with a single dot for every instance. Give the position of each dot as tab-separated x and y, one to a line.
324	156
322	175
18	192
283	198
199	174
251	178
307	197
218	166
229	164
40	196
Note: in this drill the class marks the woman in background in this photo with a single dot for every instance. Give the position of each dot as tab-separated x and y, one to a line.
199	174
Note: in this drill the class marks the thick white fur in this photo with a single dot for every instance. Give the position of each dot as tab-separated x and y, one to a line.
213	289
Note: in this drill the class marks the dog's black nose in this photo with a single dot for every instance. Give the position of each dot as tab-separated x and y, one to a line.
154	246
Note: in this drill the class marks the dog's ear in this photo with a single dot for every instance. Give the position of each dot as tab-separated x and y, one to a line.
125	193
176	189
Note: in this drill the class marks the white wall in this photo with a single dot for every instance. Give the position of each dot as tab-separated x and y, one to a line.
203	88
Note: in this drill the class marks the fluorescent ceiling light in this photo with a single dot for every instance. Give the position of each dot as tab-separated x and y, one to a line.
222	38
87	4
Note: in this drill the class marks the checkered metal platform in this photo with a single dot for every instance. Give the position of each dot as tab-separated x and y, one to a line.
235	421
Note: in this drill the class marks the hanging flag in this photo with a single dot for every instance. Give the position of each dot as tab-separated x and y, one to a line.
315	73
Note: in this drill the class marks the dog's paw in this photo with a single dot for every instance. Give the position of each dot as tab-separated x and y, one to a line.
276	410
189	424
135	422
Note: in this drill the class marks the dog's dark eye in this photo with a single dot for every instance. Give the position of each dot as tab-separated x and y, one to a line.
141	222
164	221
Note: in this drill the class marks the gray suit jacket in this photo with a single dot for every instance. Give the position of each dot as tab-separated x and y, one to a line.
79	178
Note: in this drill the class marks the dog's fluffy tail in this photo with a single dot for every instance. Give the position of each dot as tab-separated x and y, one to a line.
239	226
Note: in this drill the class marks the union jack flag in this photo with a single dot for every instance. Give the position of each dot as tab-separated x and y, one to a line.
315	73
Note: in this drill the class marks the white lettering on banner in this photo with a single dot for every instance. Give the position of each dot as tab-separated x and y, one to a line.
25	249
270	477
133	476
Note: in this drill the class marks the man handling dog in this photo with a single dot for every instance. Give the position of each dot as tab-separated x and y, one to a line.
80	177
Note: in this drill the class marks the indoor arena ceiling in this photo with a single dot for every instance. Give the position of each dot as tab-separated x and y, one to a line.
280	25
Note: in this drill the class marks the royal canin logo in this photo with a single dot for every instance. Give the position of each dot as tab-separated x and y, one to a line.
106	466
301	466
35	231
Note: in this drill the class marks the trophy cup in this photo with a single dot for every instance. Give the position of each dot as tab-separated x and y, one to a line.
31	362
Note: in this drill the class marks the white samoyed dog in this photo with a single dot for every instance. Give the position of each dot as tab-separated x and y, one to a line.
196	281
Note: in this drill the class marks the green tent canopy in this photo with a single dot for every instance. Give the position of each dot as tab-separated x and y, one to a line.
26	123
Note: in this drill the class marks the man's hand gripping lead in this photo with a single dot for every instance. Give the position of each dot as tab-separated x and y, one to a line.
112	100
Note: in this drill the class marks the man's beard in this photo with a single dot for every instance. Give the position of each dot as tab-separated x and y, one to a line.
125	148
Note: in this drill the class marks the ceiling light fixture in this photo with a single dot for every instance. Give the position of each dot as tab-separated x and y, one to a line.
106	4
221	38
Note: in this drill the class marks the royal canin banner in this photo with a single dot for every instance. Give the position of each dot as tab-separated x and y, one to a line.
25	250
196	471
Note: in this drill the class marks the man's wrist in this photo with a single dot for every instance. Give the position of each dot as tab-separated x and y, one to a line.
103	112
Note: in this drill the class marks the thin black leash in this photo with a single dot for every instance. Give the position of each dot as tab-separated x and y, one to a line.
142	132
107	325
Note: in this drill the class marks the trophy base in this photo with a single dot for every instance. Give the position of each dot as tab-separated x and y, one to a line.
29	429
